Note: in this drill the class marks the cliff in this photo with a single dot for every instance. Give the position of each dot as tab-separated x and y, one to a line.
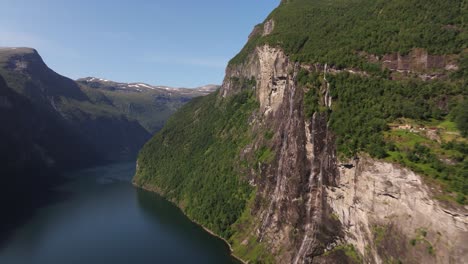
330	178
309	203
390	214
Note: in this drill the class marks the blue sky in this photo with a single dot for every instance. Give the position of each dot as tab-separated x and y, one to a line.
182	43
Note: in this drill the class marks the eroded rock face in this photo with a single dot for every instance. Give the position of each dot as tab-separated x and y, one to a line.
274	78
272	71
307	204
293	217
418	60
268	27
388	213
247	70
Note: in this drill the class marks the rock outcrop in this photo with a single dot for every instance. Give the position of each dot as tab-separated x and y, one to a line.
389	214
418	60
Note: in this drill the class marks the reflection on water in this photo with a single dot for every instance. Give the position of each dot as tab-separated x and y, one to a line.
102	218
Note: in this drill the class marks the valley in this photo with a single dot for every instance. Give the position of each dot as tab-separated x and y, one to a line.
52	124
338	135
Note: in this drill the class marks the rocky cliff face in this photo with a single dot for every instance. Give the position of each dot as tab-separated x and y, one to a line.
307	204
390	214
291	206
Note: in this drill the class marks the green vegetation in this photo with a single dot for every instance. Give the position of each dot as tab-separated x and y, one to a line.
349	251
335	31
194	159
312	98
460	117
446	163
265	155
421	234
244	242
268	134
364	106
379	233
144	107
243	83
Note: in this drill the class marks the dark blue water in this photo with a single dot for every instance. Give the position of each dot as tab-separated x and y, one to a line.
102	218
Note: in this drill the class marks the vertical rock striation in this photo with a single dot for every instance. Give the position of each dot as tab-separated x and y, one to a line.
291	205
389	213
306	203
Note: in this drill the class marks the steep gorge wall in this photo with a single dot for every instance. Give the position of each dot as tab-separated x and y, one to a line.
291	211
306	204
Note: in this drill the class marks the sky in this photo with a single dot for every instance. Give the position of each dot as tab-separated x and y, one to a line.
179	43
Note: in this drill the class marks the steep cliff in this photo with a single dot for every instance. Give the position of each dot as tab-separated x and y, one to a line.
323	106
390	214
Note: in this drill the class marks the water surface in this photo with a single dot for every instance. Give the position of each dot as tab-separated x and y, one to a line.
101	218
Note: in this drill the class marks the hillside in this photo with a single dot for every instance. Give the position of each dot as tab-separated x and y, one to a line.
30	153
52	124
338	136
150	105
106	132
114	119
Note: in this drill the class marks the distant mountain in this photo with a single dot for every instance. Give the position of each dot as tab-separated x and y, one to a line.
150	105
144	87
104	129
112	119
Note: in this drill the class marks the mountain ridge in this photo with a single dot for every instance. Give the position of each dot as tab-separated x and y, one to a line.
139	86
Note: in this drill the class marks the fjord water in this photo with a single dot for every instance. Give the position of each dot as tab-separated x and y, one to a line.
102	218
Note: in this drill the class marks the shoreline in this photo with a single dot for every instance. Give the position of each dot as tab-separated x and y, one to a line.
153	190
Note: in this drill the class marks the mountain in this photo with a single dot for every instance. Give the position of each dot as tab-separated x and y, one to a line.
114	119
338	136
52	124
150	105
36	145
105	131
